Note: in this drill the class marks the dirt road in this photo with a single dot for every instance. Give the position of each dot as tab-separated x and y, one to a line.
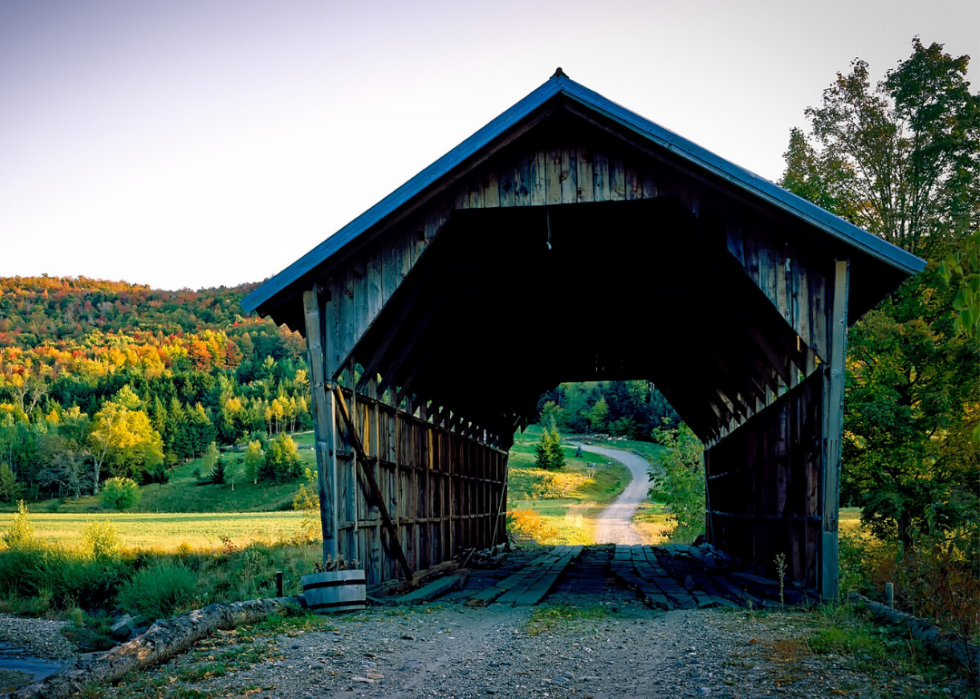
603	646
614	524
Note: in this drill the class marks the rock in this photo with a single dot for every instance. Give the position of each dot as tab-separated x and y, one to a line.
123	628
139	630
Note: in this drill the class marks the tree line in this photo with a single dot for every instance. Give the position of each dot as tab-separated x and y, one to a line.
137	393
632	409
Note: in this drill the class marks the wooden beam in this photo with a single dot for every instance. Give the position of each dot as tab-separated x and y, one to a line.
355	441
323	422
833	396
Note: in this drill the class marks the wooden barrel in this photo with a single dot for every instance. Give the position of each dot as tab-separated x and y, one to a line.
337	591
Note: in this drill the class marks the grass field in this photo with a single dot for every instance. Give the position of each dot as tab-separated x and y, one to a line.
168	532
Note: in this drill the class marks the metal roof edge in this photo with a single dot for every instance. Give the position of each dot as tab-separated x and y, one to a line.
760	186
438	169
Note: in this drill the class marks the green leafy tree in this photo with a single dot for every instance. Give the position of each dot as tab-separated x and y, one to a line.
120	494
253	460
123	440
210	459
901	160
598	415
282	462
680	485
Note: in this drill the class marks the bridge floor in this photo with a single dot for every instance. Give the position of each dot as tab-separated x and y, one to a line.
663	577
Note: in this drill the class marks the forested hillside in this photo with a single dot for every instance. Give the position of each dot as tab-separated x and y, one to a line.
102	379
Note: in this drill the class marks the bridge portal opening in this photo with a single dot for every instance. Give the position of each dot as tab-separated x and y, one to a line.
572	240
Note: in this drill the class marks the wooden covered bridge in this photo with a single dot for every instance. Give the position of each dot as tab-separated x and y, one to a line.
569	240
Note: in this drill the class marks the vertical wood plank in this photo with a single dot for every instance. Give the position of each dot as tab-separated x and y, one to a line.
491	189
552	175
632	180
569	175
522	181
600	176
617	179
649	185
537	177
583	175
506	185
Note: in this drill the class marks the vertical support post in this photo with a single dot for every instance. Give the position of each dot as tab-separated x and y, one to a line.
323	420
833	430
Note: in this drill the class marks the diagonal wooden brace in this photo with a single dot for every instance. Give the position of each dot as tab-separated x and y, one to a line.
355	441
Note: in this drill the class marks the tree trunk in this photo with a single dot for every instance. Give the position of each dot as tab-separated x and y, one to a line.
160	643
932	636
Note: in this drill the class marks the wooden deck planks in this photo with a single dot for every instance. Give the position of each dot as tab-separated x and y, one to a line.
693	580
529	585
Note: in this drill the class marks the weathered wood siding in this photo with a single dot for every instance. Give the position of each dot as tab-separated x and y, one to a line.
443	490
568	175
764	485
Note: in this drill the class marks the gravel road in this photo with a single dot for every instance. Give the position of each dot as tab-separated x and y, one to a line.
614	525
604	647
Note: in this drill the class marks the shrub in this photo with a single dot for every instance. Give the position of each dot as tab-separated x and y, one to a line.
120	493
530	524
61	577
939	579
101	540
681	486
307	501
21	532
159	590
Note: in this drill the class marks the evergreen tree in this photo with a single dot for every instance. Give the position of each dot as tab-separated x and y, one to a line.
557	451
9	488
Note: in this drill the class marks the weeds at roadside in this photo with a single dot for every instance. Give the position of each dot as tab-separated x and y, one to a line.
545	619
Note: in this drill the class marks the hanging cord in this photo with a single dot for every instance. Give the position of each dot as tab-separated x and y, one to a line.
547	218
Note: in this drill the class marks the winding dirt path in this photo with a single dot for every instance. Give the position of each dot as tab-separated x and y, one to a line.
614	525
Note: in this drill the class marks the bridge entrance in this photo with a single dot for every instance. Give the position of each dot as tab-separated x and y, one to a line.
432	319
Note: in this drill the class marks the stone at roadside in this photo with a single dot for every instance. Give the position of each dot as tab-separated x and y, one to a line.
122	628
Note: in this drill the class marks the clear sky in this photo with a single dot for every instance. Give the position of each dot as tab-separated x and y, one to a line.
200	143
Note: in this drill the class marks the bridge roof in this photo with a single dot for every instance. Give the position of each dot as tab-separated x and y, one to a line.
285	285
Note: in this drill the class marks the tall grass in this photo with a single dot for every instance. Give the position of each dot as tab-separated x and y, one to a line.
94	572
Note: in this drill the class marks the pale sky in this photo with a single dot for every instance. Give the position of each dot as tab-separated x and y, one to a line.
199	143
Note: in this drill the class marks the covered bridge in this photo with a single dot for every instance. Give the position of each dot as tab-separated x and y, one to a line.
568	240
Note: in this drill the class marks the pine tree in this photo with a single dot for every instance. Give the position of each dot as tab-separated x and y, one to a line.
9	488
557	451
543	451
